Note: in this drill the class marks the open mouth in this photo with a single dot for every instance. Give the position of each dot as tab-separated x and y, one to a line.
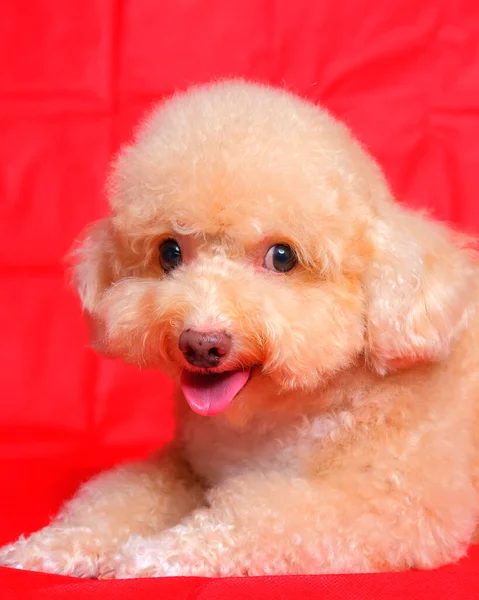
209	394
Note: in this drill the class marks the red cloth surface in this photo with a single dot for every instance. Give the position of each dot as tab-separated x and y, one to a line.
74	78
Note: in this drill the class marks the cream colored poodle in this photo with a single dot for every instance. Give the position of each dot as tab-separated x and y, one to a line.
325	344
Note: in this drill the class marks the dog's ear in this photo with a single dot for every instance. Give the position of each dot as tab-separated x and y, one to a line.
418	289
94	264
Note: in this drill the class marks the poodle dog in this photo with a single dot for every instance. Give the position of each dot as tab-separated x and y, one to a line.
324	340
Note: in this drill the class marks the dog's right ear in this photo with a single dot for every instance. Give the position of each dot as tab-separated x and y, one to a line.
94	264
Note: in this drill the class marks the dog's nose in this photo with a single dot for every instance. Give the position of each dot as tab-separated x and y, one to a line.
205	350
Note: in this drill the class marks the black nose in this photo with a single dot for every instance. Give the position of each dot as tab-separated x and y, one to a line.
205	350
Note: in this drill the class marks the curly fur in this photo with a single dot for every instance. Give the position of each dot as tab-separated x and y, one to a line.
353	447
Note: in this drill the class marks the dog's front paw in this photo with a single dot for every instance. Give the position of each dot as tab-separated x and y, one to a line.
49	553
163	556
132	560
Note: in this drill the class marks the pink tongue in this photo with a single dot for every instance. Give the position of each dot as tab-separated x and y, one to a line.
211	394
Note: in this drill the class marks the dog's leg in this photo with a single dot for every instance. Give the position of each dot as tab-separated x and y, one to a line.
258	525
141	498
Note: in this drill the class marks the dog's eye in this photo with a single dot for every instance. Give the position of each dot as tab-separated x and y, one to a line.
280	258
170	255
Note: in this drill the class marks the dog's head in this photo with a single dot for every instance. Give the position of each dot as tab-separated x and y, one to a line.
249	230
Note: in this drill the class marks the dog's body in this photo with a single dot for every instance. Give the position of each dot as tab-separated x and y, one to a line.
339	427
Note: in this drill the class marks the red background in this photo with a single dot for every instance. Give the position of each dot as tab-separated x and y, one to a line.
75	76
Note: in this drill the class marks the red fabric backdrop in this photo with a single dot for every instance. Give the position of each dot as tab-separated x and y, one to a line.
75	76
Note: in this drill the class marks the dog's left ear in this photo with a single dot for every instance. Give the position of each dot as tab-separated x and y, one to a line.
94	264
418	289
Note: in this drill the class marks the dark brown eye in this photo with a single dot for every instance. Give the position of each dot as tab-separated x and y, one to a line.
280	258
170	255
